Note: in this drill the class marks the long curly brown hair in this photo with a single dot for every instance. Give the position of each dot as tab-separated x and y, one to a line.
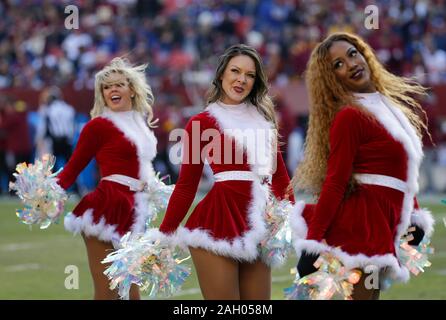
327	96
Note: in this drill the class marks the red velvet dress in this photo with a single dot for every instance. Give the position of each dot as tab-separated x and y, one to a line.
364	228
229	220
122	144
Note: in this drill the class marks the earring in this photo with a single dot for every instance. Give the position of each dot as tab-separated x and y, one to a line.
132	96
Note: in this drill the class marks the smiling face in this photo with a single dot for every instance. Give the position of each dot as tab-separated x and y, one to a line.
238	79
117	92
350	67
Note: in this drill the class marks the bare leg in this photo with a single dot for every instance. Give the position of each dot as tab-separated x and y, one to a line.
217	275
360	292
97	250
134	293
255	281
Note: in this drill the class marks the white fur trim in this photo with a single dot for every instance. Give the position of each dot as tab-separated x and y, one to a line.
423	218
243	248
259	152
405	134
299	228
299	233
135	129
84	224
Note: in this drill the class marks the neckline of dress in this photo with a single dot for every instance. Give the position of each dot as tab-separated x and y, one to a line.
127	113
232	107
369	95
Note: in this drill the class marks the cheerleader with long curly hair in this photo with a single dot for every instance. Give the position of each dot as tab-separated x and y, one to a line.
362	157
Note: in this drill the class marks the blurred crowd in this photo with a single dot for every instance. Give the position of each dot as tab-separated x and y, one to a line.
181	40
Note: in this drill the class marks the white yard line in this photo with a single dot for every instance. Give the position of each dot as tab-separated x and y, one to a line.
22	267
13	246
19	246
441	272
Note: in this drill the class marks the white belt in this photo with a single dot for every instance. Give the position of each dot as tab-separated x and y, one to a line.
132	183
381	180
241	175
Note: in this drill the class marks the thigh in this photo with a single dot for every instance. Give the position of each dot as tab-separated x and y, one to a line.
361	292
97	250
217	275
255	281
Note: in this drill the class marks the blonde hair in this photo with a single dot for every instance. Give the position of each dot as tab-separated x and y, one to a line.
328	96
135	75
259	94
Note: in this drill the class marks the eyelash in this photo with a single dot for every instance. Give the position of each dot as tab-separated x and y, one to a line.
120	85
249	75
352	53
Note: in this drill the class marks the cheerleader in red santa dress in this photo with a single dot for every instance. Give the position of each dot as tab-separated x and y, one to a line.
120	139
363	152
236	136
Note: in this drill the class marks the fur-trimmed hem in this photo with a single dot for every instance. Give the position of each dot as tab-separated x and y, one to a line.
103	231
243	248
237	248
395	271
84	224
423	218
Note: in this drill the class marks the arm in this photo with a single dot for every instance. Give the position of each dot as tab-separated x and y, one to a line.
186	187
86	148
281	180
345	133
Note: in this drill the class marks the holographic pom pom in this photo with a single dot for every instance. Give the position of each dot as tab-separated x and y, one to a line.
159	194
37	187
331	282
276	247
415	258
149	261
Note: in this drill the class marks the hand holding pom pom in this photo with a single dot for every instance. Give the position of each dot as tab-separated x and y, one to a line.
331	281
37	187
149	261
415	258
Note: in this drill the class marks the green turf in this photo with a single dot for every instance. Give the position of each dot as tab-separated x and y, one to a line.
33	264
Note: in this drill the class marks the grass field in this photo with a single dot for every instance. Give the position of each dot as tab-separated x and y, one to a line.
33	263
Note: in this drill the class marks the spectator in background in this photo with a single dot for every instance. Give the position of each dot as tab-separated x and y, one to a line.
295	145
56	127
434	60
430	142
15	131
169	119
3	167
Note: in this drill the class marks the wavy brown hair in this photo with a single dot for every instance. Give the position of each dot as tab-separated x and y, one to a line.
328	95
259	94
